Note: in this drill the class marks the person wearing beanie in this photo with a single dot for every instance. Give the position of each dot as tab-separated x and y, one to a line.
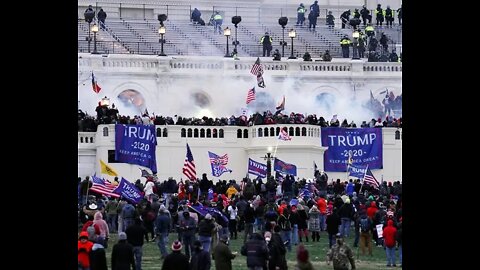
222	254
135	234
84	248
201	258
122	254
176	260
276	250
205	229
162	228
303	263
98	258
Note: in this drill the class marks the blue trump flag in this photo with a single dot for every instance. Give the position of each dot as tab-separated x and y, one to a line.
357	170
257	168
136	144
283	167
129	191
203	210
363	144
218	164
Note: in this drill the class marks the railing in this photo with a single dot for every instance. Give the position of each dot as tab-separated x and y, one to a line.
346	66
86	138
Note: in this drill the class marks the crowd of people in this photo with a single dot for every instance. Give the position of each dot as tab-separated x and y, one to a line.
274	216
106	115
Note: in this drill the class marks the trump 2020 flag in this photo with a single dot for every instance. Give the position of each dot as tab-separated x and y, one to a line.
357	170
136	144
285	168
218	164
257	168
129	191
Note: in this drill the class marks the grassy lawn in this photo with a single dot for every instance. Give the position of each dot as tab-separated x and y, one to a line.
317	252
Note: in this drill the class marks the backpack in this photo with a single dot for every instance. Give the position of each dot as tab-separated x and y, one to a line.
364	225
287	225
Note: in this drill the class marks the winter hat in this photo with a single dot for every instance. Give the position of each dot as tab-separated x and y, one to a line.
176	245
208	217
83	234
122	236
302	253
268	236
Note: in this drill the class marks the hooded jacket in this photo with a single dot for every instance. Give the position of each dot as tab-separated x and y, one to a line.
389	234
84	250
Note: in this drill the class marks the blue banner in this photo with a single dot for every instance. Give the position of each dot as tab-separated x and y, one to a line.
357	170
136	144
257	168
285	168
218	164
129	191
203	210
363	144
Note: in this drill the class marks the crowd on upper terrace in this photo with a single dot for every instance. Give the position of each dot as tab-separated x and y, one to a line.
107	115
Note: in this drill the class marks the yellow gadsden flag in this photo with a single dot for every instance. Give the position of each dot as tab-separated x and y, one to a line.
107	169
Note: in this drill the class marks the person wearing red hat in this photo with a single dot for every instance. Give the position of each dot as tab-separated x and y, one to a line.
176	260
84	248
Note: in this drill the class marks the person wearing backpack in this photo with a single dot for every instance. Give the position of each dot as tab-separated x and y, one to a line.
286	227
365	235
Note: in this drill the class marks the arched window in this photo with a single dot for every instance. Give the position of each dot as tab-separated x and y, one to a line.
165	132
91	139
239	133
202	133
81	139
189	133
245	133
297	131
195	133
290	131
277	131
159	132
209	133
397	134
183	133
260	132
105	132
221	133
215	134
265	132
304	131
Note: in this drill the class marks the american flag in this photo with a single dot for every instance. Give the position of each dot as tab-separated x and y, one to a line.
251	95
189	166
103	187
369	179
257	69
284	136
95	86
218	160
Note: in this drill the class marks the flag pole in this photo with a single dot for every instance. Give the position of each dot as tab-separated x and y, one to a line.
348	165
275	152
363	180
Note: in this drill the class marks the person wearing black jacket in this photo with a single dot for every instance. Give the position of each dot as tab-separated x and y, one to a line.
346	213
249	216
201	258
205	230
176	260
135	234
122	254
333	221
276	251
256	251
